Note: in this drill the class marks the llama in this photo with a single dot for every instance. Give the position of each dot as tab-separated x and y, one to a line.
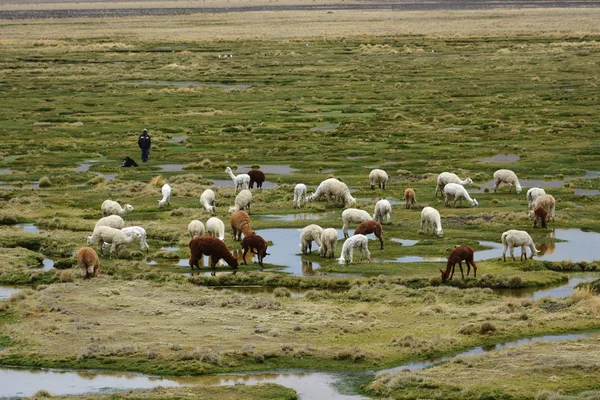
334	189
240	224
110	207
207	200
448	177
256	176
370	227
329	239
240	182
410	198
357	241
514	238
88	261
166	195
105	234
353	215
196	228
548	202
540	215
509	177
458	192
379	178
212	247
431	217
459	254
257	245
383	210
533	194
309	234
215	228
243	201
299	195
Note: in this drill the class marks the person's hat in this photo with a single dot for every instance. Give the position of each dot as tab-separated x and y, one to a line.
145	131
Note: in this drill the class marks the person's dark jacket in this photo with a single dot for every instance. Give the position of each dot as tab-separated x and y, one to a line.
144	141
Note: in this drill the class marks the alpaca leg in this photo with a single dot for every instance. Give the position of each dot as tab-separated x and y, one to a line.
496	185
244	255
523	252
309	246
446	203
378	234
461	269
452	273
345	230
512	252
368	254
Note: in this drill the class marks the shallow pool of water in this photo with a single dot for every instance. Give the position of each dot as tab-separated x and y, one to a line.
48	264
268	169
171	167
405	242
586	192
28	227
324	128
500	158
6	292
374	200
178	139
557	292
171	249
6	171
292	217
529	183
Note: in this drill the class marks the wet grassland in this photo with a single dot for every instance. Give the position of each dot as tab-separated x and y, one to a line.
414	106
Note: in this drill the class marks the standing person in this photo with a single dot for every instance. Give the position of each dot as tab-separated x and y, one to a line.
144	144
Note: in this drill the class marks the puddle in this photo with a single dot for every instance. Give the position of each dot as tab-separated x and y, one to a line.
328	171
48	264
171	167
28	227
557	292
356	157
169	48
3	185
189	84
483	349
293	217
586	192
324	128
109	177
371	166
7	291
268	169
229	183
500	158
6	171
178	139
171	249
405	242
394	202
83	167
529	183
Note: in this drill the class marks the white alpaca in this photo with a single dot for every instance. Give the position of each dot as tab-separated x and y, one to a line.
533	194
110	207
114	221
379	178
431	217
242	201
309	234
355	242
458	192
353	216
299	195
196	228
547	201
335	190
166	194
105	234
514	238
383	210
241	182
141	237
215	228
448	177
508	177
207	200
329	239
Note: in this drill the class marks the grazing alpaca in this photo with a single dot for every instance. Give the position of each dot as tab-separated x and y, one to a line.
110	207
88	261
431	217
240	223
370	227
459	254
212	247
329	239
207	200
243	201
332	188
383	210
299	195
196	228
533	194
357	241
353	216
410	198
458	192
509	177
548	202
309	234
540	215
379	178
447	177
105	234
166	194
256	176
257	245
514	238
215	228
240	182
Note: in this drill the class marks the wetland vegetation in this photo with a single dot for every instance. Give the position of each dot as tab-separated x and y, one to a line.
306	107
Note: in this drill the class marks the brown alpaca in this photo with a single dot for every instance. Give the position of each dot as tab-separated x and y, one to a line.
459	254
213	247
87	259
256	176
540	215
409	198
370	227
257	245
240	223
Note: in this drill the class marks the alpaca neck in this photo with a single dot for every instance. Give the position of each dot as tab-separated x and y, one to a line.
464	182
230	172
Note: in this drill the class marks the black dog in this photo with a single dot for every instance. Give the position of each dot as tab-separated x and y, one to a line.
129	162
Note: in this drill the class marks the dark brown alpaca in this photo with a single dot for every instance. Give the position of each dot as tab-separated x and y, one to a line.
459	254
257	176
213	247
370	227
540	215
240	223
87	259
409	198
257	245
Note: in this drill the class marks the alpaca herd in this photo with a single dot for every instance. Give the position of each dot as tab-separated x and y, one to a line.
209	240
